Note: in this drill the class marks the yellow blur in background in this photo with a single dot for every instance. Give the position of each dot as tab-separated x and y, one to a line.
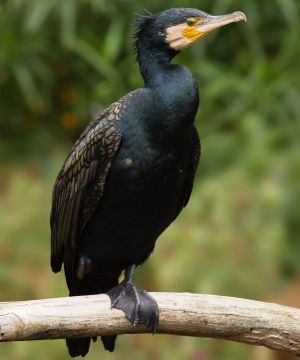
62	62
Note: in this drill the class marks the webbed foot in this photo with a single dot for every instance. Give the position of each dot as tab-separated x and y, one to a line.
138	306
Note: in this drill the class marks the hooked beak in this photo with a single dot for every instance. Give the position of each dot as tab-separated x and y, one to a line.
214	22
183	35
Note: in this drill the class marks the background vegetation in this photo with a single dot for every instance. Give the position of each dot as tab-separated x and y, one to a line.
62	62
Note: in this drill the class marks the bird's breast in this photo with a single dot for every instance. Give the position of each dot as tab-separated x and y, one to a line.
140	199
147	176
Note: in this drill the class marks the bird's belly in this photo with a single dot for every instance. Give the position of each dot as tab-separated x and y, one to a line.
138	204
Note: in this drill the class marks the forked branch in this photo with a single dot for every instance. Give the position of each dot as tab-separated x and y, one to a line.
274	326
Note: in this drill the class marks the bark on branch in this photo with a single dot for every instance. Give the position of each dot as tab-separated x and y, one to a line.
274	326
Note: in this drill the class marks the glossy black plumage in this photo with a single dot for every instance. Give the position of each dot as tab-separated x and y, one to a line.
129	174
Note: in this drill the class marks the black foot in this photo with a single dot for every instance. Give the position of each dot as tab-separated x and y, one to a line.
138	306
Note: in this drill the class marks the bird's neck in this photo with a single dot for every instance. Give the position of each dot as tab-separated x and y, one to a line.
174	93
152	62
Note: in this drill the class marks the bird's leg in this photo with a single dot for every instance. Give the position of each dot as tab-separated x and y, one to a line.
84	267
138	306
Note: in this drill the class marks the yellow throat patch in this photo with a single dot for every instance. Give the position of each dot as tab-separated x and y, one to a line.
182	35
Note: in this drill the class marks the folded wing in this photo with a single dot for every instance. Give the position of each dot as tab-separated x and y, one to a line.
79	188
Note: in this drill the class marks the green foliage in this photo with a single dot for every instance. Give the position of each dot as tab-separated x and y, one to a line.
63	61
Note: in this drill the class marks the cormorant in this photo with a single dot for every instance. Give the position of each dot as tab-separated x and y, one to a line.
131	172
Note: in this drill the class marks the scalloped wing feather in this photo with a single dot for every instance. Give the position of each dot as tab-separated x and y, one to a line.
79	188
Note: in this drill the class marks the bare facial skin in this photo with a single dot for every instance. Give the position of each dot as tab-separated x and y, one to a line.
182	35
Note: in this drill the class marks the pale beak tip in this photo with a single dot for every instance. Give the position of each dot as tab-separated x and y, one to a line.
240	16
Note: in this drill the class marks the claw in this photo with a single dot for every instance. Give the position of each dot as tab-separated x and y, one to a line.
138	306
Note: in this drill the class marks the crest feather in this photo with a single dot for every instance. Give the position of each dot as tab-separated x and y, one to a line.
140	24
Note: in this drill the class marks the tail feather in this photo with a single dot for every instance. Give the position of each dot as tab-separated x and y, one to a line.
109	342
78	347
88	286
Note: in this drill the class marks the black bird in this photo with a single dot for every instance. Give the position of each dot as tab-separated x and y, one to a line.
131	172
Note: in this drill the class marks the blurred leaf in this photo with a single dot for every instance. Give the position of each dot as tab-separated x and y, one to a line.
113	40
92	57
68	19
37	13
27	86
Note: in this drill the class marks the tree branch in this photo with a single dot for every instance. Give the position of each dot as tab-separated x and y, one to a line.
274	326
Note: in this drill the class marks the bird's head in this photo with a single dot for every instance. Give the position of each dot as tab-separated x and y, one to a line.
175	29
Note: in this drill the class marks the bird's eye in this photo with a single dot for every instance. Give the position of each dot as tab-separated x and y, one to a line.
190	21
